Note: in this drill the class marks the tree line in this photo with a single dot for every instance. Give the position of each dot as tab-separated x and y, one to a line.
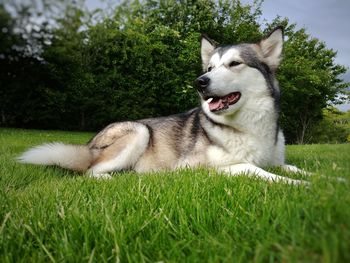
75	69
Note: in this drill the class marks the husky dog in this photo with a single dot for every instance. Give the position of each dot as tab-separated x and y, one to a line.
235	130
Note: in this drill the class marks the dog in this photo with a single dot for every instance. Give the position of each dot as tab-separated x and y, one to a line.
235	130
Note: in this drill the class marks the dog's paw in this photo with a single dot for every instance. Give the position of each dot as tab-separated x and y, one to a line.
299	182
340	180
293	169
103	176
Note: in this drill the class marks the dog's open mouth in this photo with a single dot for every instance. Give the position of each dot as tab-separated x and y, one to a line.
222	103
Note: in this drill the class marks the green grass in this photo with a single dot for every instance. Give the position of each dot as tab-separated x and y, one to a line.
51	215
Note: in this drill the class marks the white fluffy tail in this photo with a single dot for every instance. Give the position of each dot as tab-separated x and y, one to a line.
73	157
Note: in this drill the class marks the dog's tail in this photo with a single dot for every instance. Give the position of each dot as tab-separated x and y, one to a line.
73	157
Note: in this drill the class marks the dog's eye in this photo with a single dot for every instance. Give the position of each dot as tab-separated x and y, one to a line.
234	63
209	69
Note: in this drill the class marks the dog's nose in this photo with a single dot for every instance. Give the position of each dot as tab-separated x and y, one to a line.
202	83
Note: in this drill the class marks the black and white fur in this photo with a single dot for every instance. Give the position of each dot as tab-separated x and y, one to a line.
237	133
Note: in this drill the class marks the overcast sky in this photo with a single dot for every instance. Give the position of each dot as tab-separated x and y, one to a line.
327	20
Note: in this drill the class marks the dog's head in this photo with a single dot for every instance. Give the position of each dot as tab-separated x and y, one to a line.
237	74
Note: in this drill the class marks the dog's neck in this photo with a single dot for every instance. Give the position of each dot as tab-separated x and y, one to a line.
258	117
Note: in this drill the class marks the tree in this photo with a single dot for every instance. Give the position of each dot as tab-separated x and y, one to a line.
145	59
30	97
310	81
333	128
140	62
7	40
68	60
21	72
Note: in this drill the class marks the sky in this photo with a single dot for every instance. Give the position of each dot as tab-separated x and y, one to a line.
327	20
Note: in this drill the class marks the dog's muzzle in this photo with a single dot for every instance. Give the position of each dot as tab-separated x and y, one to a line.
202	83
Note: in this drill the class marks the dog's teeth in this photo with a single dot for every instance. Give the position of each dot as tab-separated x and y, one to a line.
209	100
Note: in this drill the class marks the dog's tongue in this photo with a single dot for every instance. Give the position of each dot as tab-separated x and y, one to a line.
216	104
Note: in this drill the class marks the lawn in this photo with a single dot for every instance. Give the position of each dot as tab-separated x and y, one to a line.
51	215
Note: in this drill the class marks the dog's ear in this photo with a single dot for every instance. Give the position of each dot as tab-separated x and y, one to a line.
271	48
207	48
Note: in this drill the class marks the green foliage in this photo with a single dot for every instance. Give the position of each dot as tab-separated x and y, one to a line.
334	127
26	98
141	61
51	215
309	79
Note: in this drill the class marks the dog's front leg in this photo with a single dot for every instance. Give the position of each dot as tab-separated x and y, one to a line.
293	169
252	170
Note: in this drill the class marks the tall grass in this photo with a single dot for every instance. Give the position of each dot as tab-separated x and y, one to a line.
51	215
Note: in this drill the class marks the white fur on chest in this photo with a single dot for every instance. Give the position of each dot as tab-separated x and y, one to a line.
241	149
252	140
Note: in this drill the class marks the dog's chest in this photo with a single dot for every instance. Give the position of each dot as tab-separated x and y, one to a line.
240	147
